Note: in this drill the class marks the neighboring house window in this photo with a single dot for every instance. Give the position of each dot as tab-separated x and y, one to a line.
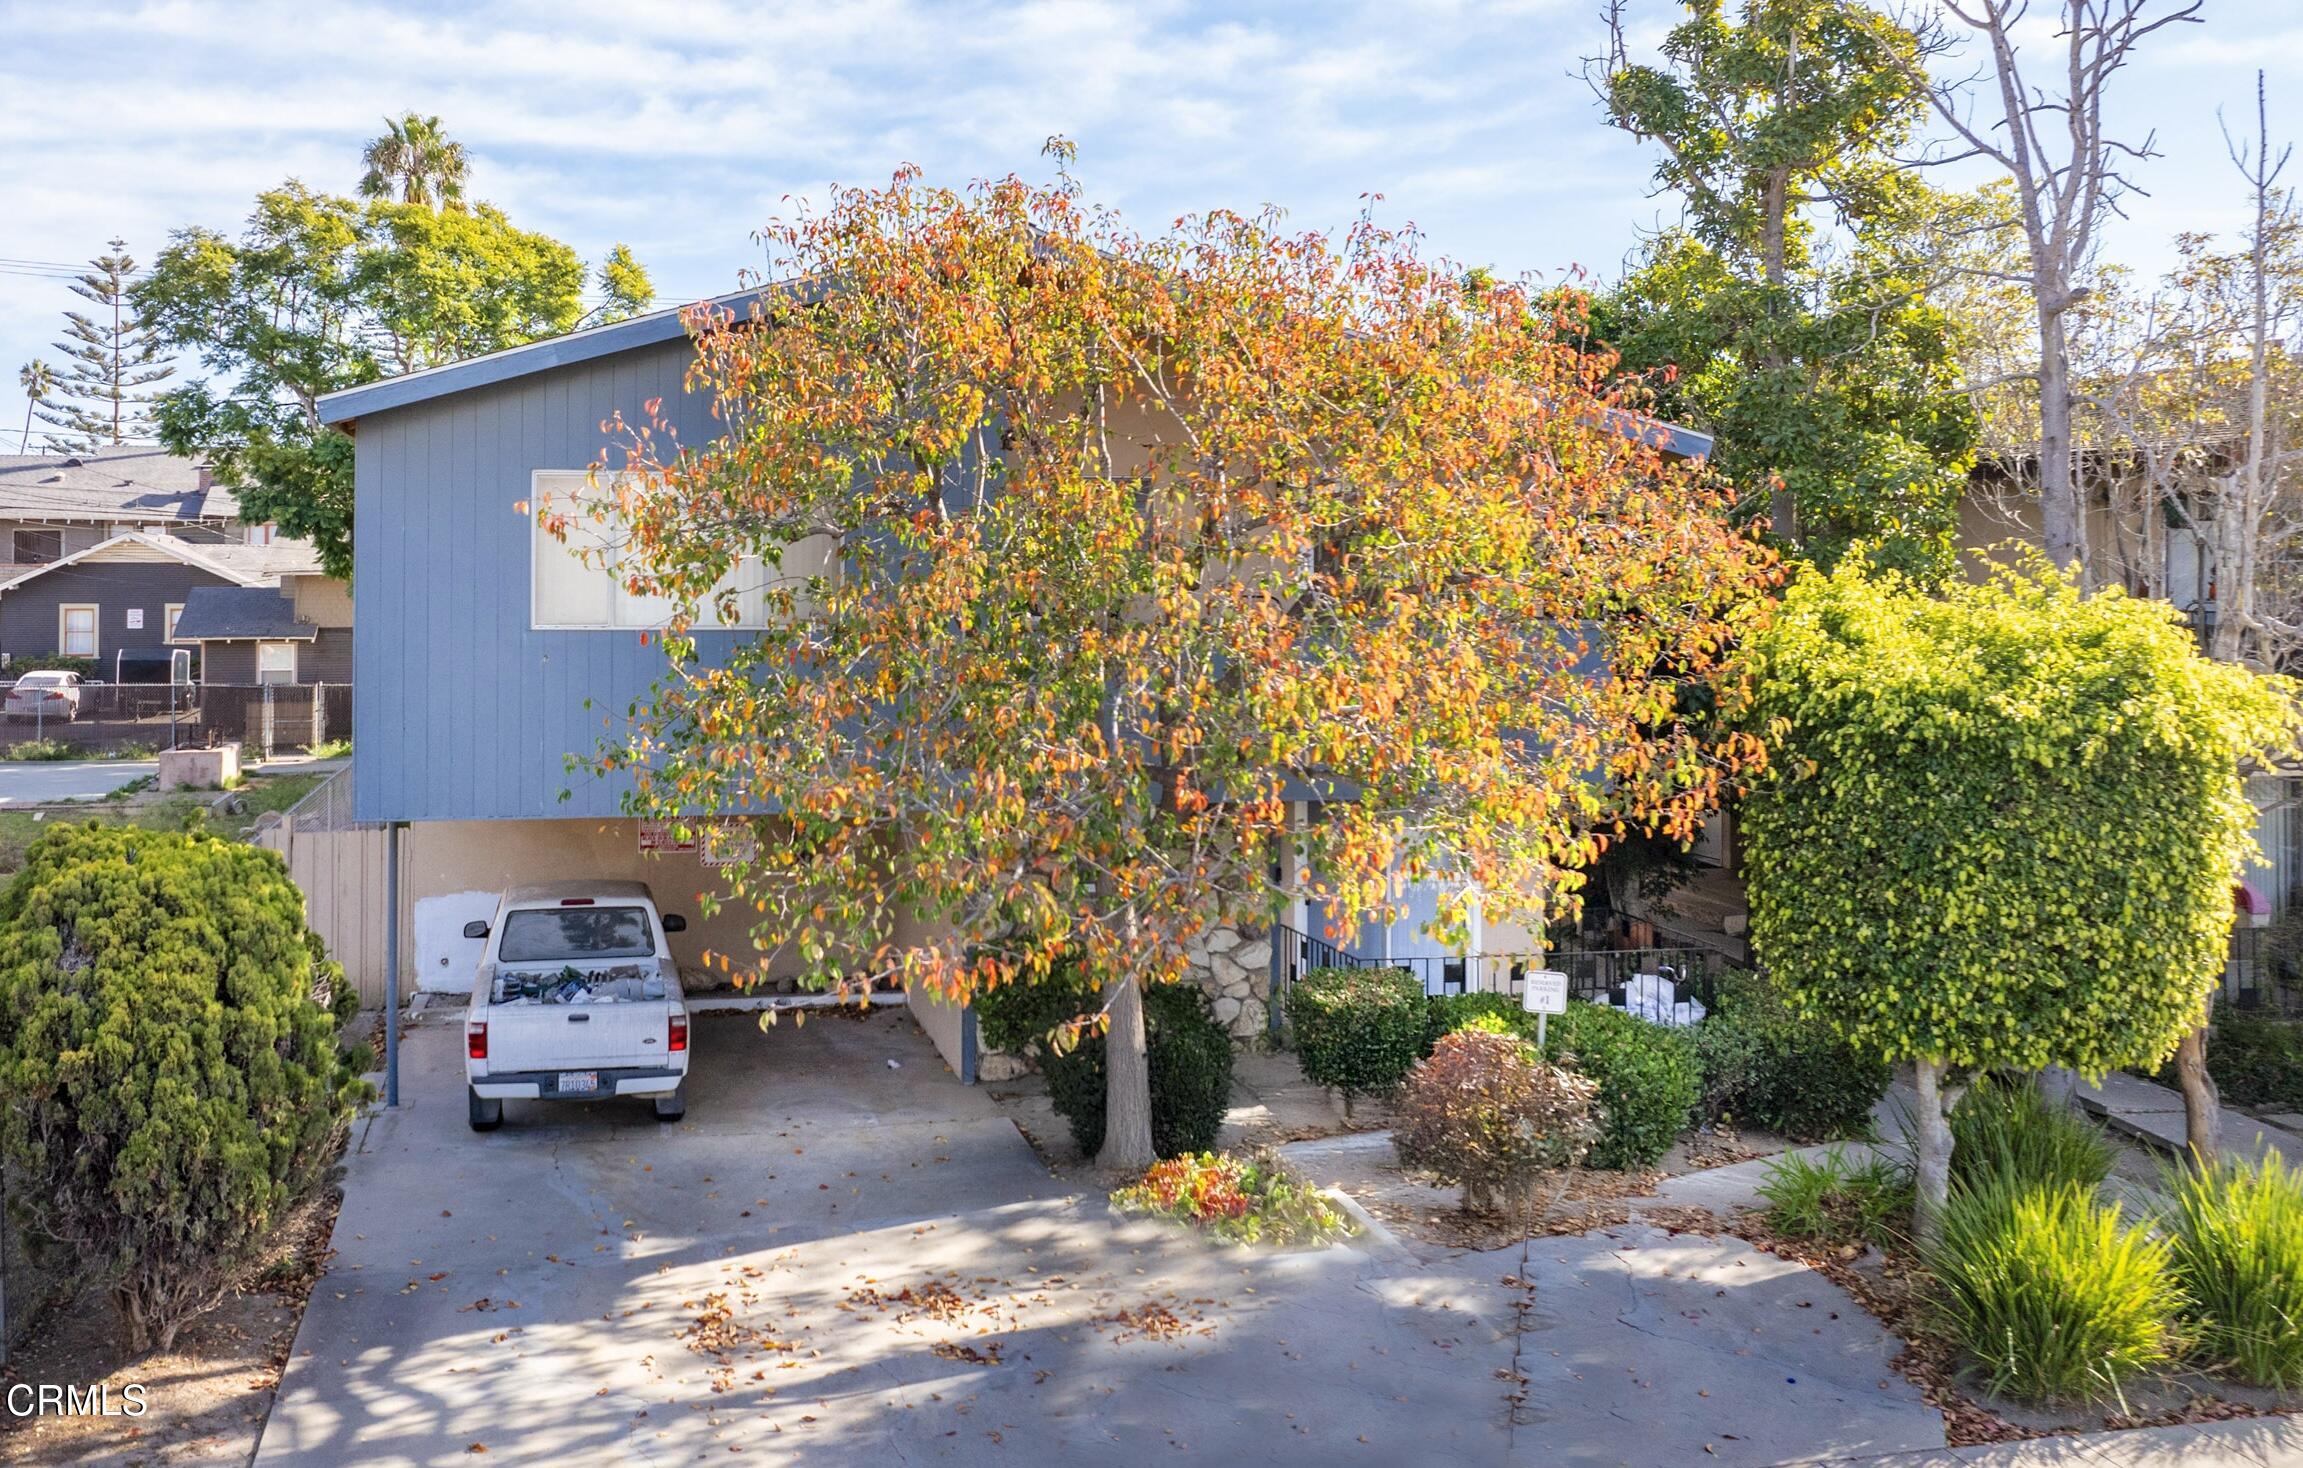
275	662
577	583
261	534
36	547
76	631
174	610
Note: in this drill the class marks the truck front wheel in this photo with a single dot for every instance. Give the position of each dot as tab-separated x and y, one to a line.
487	1113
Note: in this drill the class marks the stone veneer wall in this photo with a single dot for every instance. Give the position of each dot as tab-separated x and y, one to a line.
1234	967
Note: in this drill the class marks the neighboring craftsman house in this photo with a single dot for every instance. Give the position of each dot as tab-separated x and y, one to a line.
118	600
297	632
56	505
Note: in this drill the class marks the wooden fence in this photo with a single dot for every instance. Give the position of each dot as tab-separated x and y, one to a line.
339	865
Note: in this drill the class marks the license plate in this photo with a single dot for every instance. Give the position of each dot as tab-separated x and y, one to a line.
578	1081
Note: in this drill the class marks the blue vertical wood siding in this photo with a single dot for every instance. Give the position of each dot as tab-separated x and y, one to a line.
466	712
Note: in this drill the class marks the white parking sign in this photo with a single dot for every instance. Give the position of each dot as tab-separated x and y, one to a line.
1545	993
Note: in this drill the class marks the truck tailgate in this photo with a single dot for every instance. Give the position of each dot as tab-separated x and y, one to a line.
527	1037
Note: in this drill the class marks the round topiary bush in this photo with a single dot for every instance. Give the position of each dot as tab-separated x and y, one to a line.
172	1084
1647	1077
1185	1046
1357	1030
1486	1113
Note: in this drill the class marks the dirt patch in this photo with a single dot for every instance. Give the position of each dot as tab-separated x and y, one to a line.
1429	1216
206	1399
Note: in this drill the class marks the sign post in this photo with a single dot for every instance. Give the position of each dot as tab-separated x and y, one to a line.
1543	994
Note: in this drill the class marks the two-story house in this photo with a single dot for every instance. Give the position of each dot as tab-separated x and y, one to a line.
487	652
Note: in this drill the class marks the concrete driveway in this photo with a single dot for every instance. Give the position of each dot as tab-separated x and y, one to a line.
836	1261
26	782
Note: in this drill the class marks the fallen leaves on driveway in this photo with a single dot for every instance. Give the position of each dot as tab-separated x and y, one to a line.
1154	1321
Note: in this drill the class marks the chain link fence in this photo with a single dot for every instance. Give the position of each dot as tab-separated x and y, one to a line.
126	719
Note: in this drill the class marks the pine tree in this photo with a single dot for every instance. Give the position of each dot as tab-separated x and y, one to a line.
110	359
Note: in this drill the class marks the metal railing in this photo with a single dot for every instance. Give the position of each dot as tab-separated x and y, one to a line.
2257	980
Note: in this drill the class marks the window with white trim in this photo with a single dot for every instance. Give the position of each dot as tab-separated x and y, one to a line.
578	583
76	630
170	613
275	662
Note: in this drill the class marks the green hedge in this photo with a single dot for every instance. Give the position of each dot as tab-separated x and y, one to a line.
2256	1061
1786	1077
172	1086
1187	1051
1357	1030
1647	1075
1444	1014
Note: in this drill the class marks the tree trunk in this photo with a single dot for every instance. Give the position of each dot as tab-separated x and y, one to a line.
2202	1102
2062	518
1127	1082
1933	1151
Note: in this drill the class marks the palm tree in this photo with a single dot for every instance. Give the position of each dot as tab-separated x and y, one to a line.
38	380
418	161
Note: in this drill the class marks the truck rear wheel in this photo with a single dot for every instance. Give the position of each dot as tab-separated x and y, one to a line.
487	1113
672	1107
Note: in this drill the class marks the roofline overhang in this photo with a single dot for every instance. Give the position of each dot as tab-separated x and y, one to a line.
346	406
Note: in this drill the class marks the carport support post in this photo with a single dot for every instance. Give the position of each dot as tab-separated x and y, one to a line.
392	831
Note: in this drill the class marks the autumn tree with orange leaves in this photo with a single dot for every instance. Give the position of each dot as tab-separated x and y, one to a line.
1082	556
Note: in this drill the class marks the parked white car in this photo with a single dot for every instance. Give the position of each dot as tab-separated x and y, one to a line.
577	998
49	694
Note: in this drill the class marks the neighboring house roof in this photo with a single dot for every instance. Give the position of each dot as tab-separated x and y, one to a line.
346	406
118	482
265	563
249	565
240	614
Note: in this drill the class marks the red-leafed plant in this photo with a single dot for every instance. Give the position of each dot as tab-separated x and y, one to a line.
1486	1113
1247	1200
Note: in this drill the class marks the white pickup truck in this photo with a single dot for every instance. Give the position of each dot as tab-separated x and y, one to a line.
577	998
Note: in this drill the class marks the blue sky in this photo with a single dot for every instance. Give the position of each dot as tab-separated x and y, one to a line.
680	127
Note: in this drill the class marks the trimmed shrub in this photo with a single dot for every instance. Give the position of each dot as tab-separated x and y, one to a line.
2004	1128
1763	1068
1186	1049
2257	1061
1246	1200
1486	1113
2237	1232
1646	1073
172	1085
1836	1201
1444	1014
2051	1294
1357	1030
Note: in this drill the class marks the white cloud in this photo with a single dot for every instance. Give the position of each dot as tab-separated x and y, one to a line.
681	127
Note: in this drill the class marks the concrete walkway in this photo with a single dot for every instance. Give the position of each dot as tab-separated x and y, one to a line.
2153	1114
2255	1442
